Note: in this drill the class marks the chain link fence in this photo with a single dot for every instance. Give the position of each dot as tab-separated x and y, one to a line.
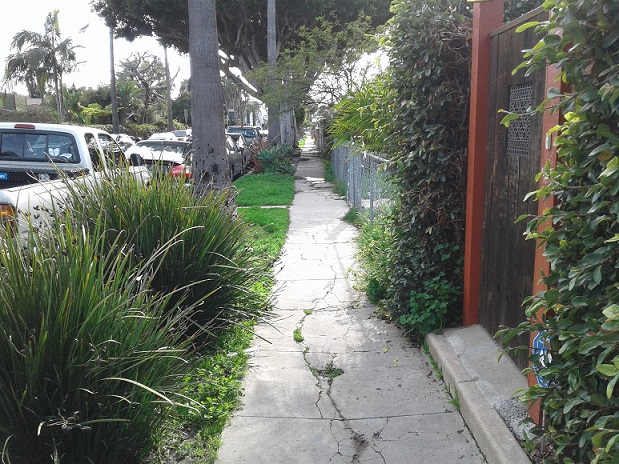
365	178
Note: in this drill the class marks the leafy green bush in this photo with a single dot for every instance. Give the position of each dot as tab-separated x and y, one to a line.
418	114
578	314
430	306
275	159
339	187
204	257
427	137
42	113
89	358
374	246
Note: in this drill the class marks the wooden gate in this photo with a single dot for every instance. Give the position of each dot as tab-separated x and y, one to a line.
512	162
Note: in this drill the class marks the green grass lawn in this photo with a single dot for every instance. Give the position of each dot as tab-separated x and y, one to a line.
264	190
268	227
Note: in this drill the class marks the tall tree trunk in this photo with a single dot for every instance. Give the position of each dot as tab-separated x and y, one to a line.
168	90
273	110
210	161
287	124
57	92
61	96
115	122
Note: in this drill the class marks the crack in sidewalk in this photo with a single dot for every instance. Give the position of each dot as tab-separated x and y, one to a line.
325	377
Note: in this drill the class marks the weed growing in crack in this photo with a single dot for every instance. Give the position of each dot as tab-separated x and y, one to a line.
455	399
308	311
332	372
297	335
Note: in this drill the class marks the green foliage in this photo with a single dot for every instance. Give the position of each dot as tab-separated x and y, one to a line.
267	232
89	358
204	259
338	186
321	66
274	160
216	382
374	246
297	335
264	190
41	113
429	306
578	311
363	115
214	386
41	59
241	24
427	137
353	216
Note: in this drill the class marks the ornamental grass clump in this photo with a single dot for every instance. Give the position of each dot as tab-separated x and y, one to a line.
204	258
275	159
90	359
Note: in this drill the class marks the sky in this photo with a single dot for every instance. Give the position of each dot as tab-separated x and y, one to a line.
94	54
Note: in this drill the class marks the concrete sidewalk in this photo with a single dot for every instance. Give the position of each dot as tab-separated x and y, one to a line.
353	390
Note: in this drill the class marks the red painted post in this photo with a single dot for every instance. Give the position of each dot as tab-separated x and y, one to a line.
487	16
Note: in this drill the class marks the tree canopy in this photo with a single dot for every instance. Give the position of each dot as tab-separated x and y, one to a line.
242	25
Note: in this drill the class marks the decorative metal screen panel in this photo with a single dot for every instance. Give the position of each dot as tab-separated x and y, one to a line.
519	131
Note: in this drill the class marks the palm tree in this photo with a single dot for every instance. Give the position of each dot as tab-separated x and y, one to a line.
210	163
41	58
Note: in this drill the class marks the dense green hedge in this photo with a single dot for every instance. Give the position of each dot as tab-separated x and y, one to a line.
579	313
427	142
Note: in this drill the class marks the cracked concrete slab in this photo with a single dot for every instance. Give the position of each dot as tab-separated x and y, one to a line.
314	294
354	390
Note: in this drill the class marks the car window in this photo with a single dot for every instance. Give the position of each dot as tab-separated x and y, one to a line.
96	157
112	152
37	146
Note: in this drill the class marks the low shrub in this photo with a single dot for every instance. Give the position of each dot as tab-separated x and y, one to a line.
338	187
89	358
204	259
42	113
274	159
374	255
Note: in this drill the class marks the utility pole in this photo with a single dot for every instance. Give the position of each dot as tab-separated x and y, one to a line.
115	122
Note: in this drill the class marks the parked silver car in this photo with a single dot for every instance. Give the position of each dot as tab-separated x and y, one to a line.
238	158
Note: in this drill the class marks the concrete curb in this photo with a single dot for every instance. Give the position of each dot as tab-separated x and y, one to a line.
493	436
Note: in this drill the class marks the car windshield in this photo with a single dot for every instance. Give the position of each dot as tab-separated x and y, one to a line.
38	146
163	147
247	132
